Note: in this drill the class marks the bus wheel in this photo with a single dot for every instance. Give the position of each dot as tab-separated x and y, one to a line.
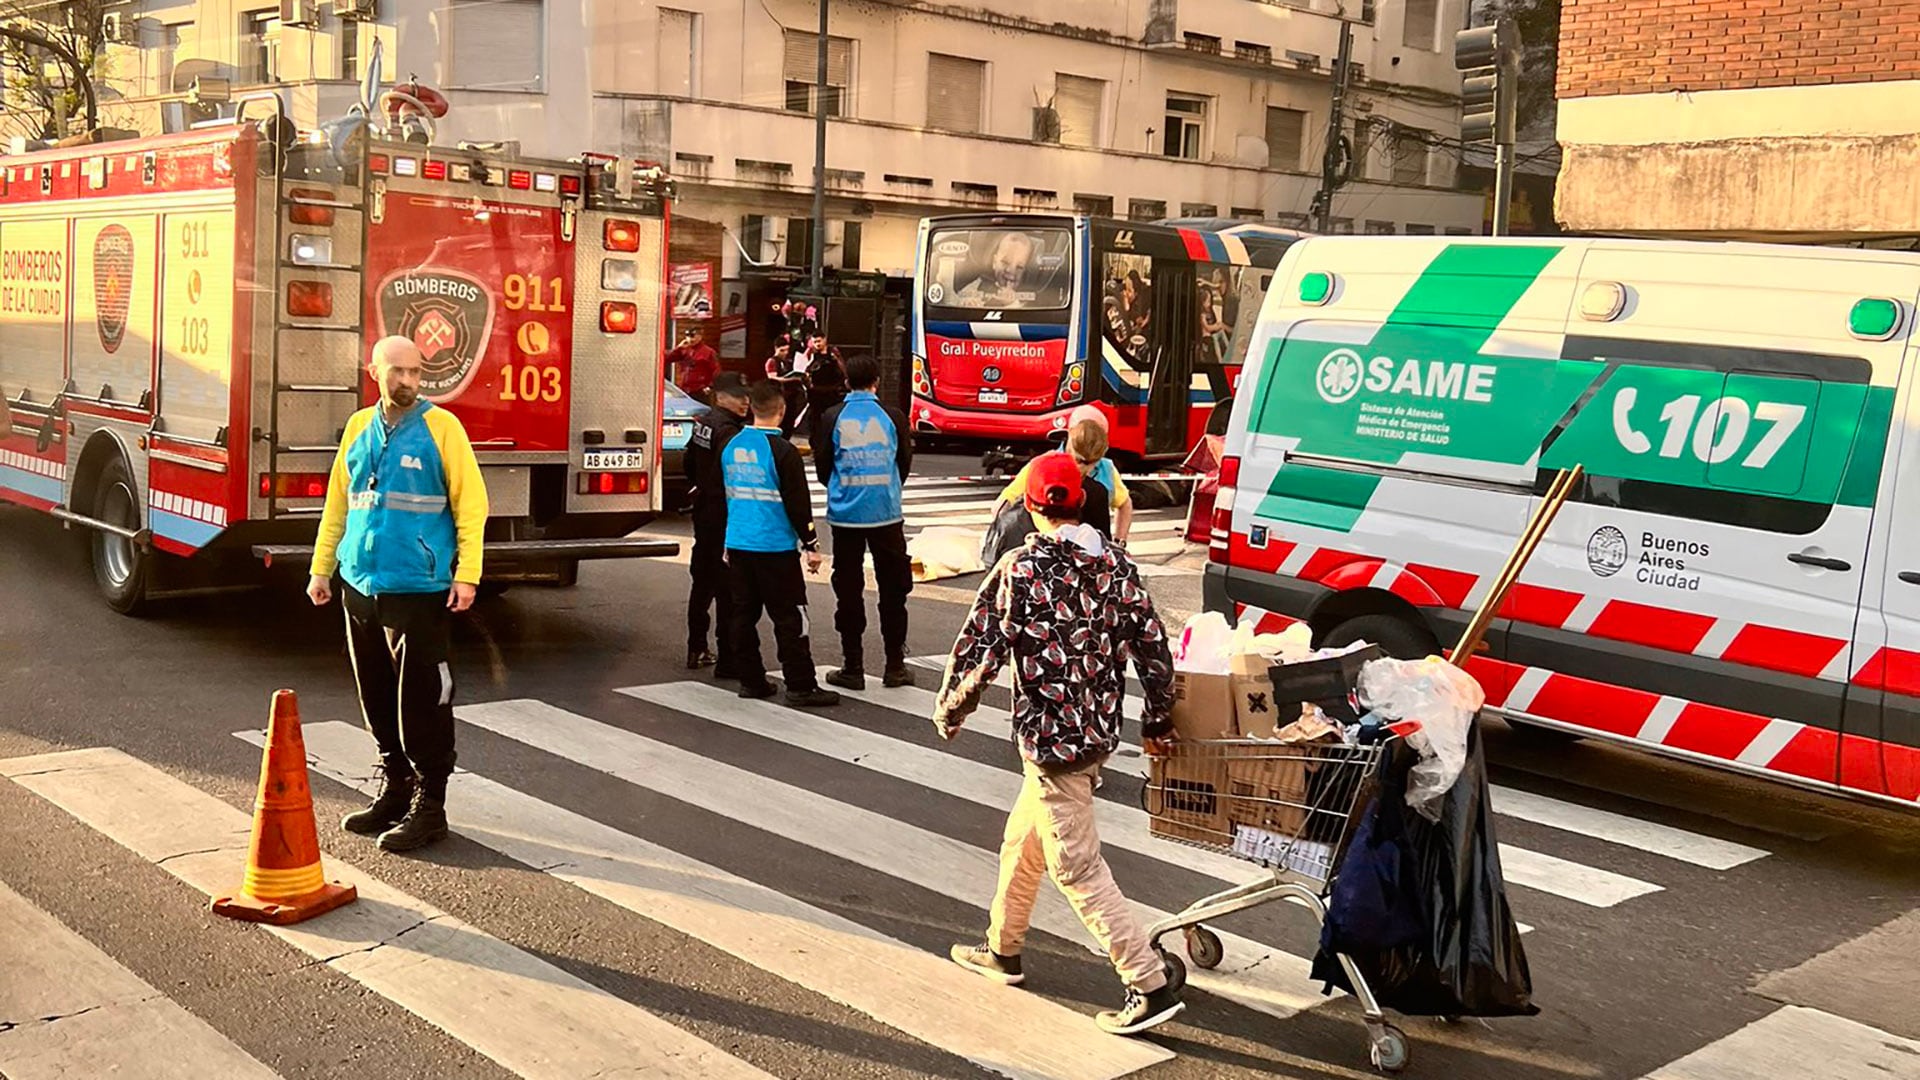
1401	639
121	568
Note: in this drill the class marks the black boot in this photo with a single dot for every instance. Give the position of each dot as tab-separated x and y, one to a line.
426	822
898	674
849	677
388	807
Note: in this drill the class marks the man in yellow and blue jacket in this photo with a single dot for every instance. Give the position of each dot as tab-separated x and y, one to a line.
404	525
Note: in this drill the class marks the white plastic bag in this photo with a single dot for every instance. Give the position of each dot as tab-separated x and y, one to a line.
1291	645
1444	700
1204	644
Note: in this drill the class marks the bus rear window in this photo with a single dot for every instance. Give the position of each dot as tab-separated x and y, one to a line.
999	269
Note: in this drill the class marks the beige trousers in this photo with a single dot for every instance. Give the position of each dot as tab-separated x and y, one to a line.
1051	832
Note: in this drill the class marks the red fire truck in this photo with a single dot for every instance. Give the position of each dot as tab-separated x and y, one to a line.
184	321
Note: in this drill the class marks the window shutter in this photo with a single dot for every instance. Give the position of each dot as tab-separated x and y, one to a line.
490	44
955	85
1418	31
802	62
1077	100
1285	128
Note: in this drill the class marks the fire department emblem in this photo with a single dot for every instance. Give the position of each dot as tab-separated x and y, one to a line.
448	315
112	285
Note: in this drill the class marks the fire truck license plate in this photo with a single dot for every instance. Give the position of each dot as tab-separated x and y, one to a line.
993	397
612	460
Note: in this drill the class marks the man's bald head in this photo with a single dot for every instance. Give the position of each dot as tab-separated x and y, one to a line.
396	368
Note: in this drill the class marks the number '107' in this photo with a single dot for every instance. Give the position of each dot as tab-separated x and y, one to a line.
1717	432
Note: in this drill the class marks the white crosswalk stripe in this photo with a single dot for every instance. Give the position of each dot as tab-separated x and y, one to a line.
79	1012
968	504
1802	1043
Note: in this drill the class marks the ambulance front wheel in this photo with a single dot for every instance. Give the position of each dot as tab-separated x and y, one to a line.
1399	638
121	567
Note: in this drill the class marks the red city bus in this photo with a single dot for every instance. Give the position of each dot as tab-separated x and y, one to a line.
1020	318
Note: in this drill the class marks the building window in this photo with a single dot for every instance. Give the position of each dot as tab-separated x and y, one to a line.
162	42
1380	228
1419	31
1293	219
1077	100
1286	128
1186	127
497	45
1410	157
1253	52
1366	11
1093	205
1199	209
1146	209
1247	213
956	89
349	49
679	53
802	74
1203	43
1340	226
1362	149
1419	230
259	46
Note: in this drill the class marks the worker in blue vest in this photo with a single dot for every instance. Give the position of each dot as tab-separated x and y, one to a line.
769	523
863	451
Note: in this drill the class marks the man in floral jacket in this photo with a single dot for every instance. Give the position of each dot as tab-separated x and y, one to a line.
1067	611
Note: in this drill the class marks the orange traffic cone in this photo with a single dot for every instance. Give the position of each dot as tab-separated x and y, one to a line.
284	884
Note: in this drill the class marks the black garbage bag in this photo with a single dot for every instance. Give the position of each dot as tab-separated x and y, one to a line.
1468	960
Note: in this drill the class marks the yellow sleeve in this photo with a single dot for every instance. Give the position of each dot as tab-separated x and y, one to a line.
466	494
1017	490
333	520
1121	496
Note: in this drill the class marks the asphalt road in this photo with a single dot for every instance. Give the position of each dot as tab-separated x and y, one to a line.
1624	987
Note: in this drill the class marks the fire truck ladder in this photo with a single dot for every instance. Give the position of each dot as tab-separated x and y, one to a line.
316	357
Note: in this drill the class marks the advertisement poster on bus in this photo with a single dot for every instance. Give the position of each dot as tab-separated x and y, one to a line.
692	290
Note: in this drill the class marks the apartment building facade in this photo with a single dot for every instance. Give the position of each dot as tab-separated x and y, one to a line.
1165	108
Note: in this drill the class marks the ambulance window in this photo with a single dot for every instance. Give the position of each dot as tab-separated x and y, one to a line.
1760	439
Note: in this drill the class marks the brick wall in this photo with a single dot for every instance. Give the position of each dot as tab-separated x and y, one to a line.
1655	46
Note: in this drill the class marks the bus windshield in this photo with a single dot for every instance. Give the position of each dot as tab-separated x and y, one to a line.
999	269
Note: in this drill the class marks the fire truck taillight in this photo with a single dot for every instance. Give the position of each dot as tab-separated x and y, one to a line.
622	235
304	212
293	485
619	317
620	275
379	163
434	170
520	180
310	299
607	483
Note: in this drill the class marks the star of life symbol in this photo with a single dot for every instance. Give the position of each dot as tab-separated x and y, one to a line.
1338	376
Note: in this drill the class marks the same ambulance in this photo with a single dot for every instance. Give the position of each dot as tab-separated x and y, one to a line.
184	320
1737	579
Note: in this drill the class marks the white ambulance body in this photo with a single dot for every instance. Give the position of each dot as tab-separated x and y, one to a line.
1736	581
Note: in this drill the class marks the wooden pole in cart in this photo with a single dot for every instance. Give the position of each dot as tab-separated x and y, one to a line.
1536	530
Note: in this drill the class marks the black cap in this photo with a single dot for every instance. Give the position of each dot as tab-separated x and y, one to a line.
730	382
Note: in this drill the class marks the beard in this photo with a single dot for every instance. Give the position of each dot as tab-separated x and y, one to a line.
404	396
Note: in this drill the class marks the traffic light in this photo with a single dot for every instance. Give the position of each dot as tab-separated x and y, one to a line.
1489	57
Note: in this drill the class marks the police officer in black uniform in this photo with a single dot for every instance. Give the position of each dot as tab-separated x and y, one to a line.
711	432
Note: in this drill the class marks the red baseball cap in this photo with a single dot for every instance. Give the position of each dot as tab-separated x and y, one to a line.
1053	480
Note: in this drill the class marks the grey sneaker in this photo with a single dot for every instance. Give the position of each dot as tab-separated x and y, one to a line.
1141	1011
984	961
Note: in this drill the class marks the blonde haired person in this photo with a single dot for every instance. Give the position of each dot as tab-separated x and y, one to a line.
1087	444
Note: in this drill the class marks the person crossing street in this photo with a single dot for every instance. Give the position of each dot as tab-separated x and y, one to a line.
712	430
863	451
1066	611
769	522
404	524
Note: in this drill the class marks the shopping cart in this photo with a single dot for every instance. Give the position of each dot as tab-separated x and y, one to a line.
1287	806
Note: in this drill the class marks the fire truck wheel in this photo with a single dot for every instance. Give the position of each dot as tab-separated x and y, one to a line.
120	566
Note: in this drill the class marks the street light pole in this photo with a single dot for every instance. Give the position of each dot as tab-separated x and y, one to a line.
816	274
